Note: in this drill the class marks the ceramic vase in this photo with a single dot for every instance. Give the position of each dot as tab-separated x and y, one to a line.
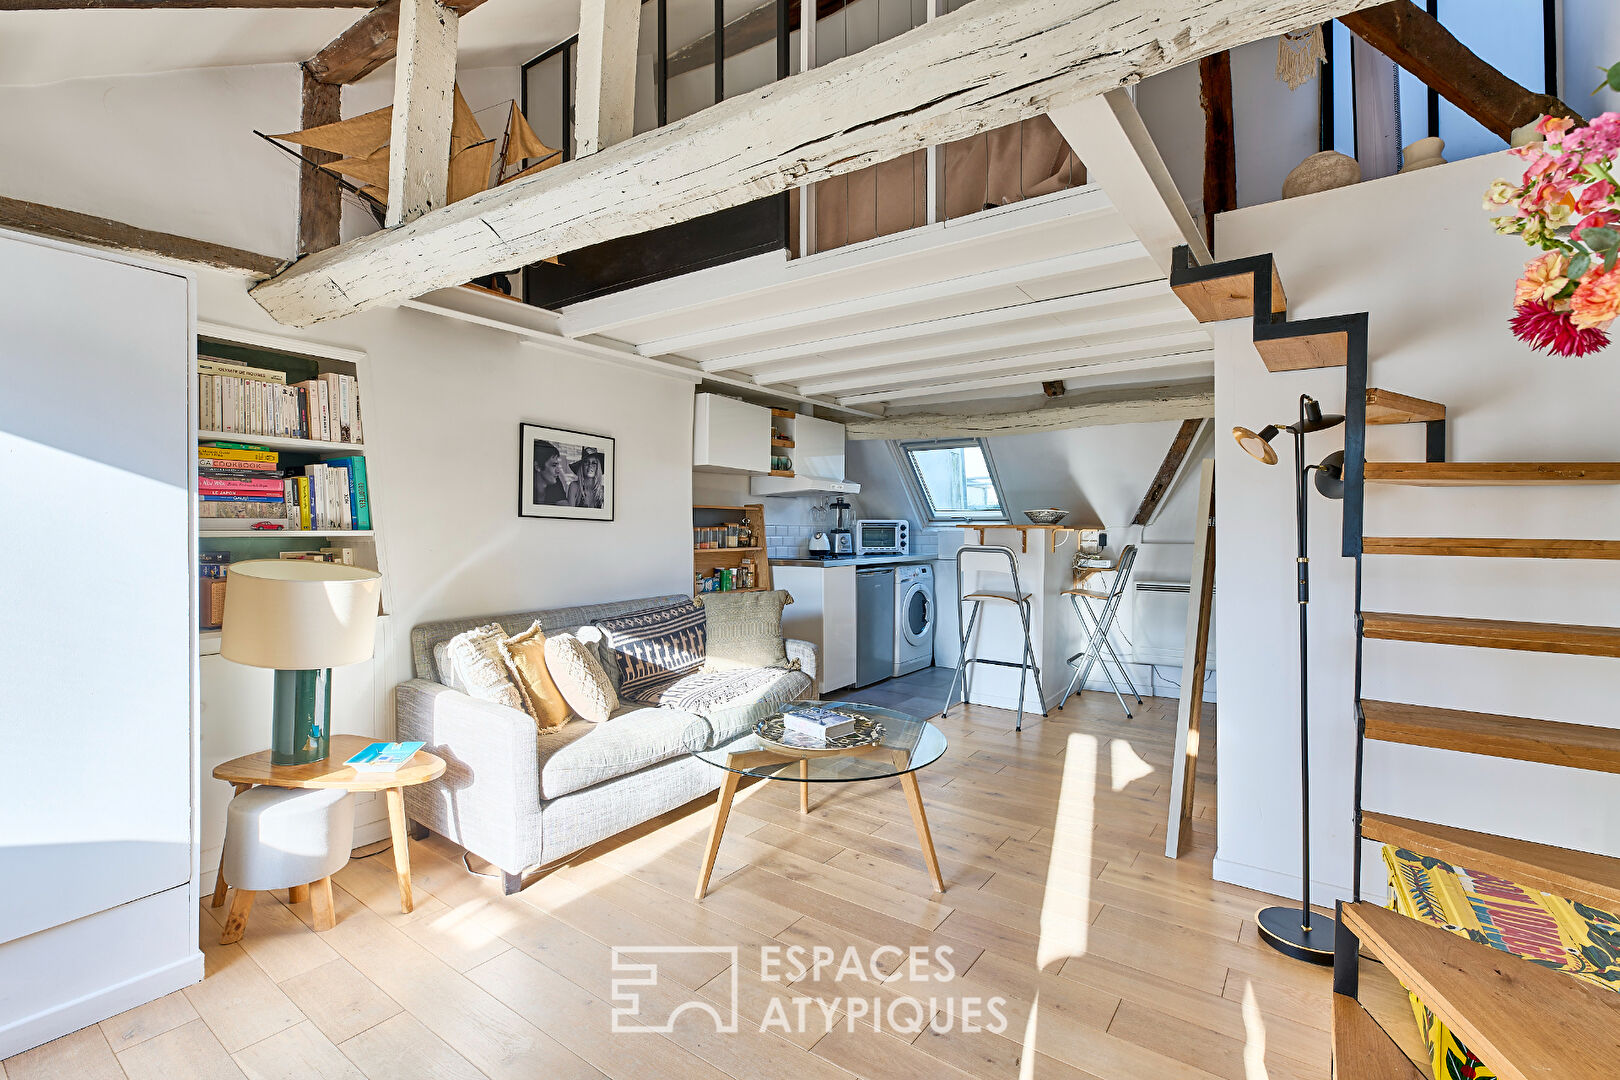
1422	154
1321	172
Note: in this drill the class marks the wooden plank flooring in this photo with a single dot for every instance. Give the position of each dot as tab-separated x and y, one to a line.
1112	962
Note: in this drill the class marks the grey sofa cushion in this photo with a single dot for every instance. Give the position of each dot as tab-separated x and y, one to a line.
580	754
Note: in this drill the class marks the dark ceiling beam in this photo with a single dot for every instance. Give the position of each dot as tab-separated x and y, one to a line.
1160	487
1416	41
320	200
1220	144
42	220
367	45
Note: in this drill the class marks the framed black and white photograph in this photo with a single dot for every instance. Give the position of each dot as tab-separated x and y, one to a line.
564	474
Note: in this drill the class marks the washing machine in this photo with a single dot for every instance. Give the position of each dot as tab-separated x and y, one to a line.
913	618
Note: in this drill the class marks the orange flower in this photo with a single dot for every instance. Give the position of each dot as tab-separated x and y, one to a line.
1543	278
1596	300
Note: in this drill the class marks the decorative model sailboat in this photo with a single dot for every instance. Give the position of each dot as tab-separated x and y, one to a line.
477	163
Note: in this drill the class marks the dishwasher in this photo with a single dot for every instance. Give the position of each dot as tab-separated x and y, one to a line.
874	625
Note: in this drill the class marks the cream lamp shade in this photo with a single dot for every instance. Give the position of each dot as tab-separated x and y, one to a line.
297	614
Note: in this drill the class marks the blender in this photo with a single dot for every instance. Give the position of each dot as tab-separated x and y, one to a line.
839	537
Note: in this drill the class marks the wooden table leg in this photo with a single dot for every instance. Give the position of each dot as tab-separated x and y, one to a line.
722	808
320	894
919	818
298	894
804	785
236	921
219	878
402	855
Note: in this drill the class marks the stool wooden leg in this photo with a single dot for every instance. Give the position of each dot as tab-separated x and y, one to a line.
298	894
219	878
236	921
320	895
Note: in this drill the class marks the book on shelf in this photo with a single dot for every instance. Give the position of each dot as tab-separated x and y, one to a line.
242	399
220	452
384	756
359	497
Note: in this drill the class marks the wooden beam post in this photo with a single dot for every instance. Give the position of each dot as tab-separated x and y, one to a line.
367	45
1168	469
605	87
1220	146
320	199
424	96
1416	41
42	220
1190	712
1131	405
974	69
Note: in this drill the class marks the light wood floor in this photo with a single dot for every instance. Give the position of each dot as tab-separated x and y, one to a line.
1114	961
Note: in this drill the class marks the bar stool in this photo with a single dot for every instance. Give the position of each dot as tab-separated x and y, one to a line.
1096	625
993	556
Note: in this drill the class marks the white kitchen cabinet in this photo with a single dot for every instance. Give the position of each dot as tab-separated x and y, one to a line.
730	435
818	448
822	613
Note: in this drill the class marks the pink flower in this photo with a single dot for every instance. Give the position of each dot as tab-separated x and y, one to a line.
1594	196
1546	330
1553	127
1602	219
1544	278
1596	300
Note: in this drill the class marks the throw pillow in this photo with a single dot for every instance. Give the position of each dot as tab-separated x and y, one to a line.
446	669
656	645
476	657
525	656
579	677
744	630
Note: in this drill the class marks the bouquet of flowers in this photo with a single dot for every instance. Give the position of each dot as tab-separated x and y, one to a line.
1568	205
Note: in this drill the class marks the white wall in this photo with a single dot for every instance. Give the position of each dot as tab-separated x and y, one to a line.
1415	251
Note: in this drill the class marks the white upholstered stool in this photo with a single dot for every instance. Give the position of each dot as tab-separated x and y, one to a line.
285	838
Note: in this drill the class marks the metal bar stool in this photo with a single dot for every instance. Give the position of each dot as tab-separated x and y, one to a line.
1017	597
1096	625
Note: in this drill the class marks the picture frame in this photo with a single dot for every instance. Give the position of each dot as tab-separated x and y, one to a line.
565	474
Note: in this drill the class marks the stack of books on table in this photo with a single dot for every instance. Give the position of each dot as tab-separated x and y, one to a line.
248	400
243	486
814	726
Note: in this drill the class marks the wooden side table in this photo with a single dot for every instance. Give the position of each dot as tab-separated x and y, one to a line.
330	772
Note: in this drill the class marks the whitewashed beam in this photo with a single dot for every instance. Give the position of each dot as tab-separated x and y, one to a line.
1107	133
605	86
1023	364
1130	257
424	96
1158	289
980	67
1132	405
1195	360
921	357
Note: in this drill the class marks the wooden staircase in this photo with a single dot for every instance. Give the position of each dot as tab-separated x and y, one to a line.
1526	1021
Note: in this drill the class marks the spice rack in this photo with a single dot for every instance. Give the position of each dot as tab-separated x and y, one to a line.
749	537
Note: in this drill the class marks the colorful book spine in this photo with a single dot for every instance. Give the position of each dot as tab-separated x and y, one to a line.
235	369
233	453
359	497
257	496
210	486
304	521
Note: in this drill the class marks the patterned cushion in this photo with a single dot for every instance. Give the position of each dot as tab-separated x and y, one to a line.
722	697
475	655
580	678
744	630
652	646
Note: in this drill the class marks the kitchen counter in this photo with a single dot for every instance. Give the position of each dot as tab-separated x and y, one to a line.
857	560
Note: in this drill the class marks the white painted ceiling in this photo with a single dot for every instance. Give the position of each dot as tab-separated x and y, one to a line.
38	47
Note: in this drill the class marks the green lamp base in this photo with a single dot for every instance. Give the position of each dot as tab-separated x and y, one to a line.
300	715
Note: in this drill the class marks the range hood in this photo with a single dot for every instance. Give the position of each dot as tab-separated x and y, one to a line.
801	485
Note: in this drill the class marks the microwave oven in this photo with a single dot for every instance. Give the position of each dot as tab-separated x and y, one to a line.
882	537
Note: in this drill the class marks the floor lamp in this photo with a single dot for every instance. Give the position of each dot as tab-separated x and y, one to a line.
1300	933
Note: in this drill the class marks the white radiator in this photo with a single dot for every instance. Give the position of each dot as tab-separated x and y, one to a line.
1158	621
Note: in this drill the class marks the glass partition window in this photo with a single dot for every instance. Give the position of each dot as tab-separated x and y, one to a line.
956	479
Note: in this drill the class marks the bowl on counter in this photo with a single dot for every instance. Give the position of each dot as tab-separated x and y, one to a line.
1051	515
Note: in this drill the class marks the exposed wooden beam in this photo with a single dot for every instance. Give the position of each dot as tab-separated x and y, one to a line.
1133	405
424	94
320	199
1416	41
1168	469
44	220
1220	145
605	86
975	69
1107	133
1131	359
172	5
367	45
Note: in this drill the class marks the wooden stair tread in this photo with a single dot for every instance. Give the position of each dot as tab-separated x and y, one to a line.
1551	742
1491	547
1361	1049
1388	407
1297	352
1575	875
1494	633
1230	296
1525	1021
1491	473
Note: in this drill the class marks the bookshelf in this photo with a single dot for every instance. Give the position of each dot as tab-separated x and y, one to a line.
707	561
299	360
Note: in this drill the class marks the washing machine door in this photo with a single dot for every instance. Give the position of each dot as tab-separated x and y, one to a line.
917	614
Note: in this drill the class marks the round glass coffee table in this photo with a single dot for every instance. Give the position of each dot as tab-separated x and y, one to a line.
906	745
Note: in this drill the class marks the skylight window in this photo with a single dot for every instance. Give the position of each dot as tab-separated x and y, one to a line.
955	479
